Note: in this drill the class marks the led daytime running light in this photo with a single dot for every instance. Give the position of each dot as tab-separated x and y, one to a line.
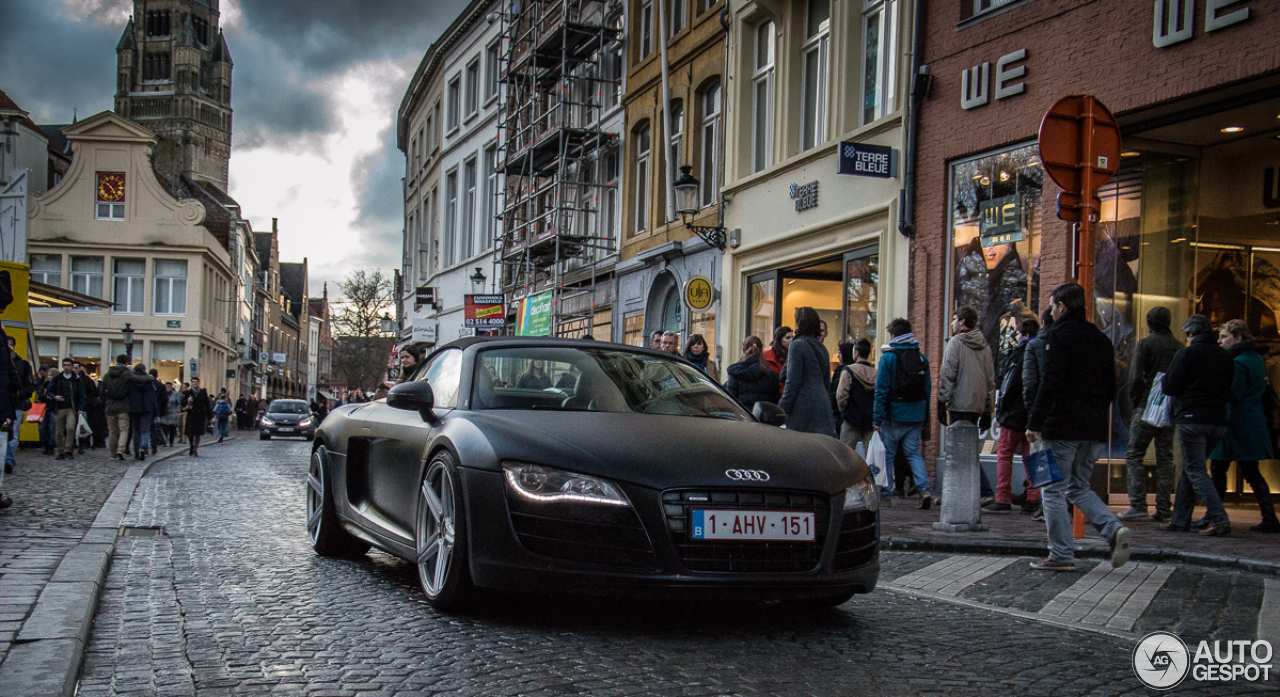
604	492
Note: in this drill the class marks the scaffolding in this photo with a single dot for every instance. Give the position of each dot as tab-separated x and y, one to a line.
551	236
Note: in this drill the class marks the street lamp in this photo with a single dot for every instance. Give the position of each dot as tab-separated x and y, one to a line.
477	281
386	324
686	186
128	340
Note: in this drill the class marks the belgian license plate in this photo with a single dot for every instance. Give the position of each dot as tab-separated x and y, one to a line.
286	429
753	525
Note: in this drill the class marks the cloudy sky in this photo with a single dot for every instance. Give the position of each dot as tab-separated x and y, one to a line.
315	91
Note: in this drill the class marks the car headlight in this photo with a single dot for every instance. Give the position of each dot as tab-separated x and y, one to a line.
548	484
862	496
267	422
305	422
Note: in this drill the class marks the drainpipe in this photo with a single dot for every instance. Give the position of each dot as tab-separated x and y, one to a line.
724	115
921	83
666	115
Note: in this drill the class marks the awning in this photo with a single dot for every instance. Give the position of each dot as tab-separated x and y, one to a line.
324	394
44	295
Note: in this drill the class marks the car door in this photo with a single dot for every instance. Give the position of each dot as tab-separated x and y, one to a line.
395	440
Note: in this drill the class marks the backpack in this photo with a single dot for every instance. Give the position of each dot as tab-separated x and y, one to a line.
857	410
117	390
910	377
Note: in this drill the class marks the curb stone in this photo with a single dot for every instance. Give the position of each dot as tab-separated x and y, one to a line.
1152	554
48	650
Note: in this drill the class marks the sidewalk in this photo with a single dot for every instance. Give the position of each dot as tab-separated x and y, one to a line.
905	527
56	543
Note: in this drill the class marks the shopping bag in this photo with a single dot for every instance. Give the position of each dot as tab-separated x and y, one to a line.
875	460
82	428
1042	466
1159	405
36	414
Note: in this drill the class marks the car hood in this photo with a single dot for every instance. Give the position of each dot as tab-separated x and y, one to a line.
660	451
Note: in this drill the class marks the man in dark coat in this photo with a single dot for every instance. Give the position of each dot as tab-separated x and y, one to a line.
115	395
242	409
66	394
26	385
1154	354
1199	380
142	410
1072	413
1011	414
162	407
199	409
90	388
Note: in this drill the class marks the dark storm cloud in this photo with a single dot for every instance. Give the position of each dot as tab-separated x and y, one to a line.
51	66
379	178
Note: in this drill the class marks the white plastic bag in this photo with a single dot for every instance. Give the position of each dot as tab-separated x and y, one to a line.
1159	410
82	428
875	459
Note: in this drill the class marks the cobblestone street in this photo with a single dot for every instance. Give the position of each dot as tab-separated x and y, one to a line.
230	599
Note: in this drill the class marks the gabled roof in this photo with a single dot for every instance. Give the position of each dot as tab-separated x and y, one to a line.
109	126
8	105
293	283
262	245
57	140
220	51
126	39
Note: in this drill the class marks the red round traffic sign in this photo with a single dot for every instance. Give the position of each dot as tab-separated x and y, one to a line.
1077	134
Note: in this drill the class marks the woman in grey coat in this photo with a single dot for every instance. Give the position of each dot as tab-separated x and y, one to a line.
805	397
170	419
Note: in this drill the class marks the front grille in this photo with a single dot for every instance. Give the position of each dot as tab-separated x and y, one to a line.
745	556
857	543
599	535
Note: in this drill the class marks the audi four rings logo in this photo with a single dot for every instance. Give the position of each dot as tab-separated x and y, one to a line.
747	475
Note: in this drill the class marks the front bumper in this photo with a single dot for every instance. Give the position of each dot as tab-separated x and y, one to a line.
644	552
285	431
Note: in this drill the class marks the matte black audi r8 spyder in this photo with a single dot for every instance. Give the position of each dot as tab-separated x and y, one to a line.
560	465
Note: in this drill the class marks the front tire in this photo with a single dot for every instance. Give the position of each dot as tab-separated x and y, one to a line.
440	537
328	538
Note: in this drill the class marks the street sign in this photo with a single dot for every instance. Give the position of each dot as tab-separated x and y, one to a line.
1070	207
488	311
1079	135
867	160
699	293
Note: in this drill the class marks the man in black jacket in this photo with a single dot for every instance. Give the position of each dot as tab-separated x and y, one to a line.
1072	413
1153	356
1199	380
26	385
66	395
1011	414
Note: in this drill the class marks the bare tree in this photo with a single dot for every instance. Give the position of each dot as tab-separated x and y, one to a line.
360	351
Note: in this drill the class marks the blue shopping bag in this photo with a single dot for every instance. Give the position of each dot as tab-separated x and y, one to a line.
1042	466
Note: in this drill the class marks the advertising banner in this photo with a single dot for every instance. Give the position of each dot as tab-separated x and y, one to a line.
485	311
534	318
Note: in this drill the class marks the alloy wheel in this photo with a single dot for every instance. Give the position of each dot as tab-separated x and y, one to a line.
315	496
436	529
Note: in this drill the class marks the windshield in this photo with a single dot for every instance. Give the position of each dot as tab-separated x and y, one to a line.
596	379
287	408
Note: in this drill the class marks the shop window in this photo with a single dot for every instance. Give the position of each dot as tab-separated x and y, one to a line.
762	97
815	57
861	290
88	354
128	284
633	329
47	350
167	359
880	52
171	286
760	307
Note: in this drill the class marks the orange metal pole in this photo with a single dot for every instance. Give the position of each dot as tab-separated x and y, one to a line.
1084	243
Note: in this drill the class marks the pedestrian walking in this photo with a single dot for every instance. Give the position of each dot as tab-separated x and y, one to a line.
162	406
698	353
66	393
46	430
751	380
805	395
903	385
222	413
776	354
1199	380
670	342
24	388
90	389
142	409
241	409
1072	413
1032	369
856	395
10	392
1248	437
115	392
173	406
182	415
1011	414
966	386
1154	354
198	411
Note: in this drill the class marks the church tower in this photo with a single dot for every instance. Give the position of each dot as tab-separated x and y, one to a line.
173	76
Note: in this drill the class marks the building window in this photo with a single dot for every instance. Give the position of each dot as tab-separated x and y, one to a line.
128	281
157	66
646	29
46	268
450	217
428	135
642	180
468	208
676	130
880	64
710	143
86	277
110	196
491	71
473	87
490	197
171	286
615	66
762	98
609	221
816	50
157	23
455	101
677	16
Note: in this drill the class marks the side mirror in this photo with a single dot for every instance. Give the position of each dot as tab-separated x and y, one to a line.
414	396
769	413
